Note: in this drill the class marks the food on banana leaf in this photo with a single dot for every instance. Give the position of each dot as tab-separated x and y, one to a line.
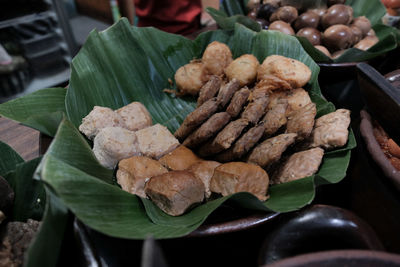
204	170
190	78
216	58
135	116
179	159
244	69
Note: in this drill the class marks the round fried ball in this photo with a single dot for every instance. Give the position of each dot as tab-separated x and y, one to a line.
216	58
190	78
244	69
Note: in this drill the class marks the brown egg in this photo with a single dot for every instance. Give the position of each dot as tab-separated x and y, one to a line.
307	19
338	37
312	35
319	11
363	24
323	49
357	34
282	27
286	13
337	14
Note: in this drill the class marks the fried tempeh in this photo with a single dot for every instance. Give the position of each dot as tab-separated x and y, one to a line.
209	90
226	92
197	117
225	138
255	110
239	99
299	165
212	126
302	121
270	151
275	118
243	145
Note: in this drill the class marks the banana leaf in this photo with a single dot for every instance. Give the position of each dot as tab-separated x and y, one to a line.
125	64
232	11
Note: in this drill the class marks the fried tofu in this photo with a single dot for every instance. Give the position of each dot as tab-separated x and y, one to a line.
270	151
175	192
331	130
113	144
135	116
234	177
99	118
204	170
179	159
135	171
296	73
156	141
299	165
301	121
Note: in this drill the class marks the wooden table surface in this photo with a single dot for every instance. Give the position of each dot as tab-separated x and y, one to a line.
22	139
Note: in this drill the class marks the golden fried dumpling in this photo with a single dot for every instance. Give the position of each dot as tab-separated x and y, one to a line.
216	58
296	73
244	69
190	78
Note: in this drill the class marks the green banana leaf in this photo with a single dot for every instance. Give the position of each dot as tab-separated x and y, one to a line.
232	11
9	159
125	64
42	110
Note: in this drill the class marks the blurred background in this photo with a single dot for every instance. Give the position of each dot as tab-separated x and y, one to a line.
39	38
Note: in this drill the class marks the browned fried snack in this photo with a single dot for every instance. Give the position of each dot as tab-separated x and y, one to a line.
212	126
175	192
133	173
275	118
190	78
204	170
226	92
255	110
225	138
156	141
297	99
296	73
301	121
196	117
179	159
243	145
236	177
270	151
243	68
216	58
239	99
268	85
209	90
299	165
331	130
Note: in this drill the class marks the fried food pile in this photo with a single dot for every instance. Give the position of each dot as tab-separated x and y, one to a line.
254	126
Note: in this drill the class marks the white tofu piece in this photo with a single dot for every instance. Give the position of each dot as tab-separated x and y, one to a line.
113	144
99	118
156	141
135	116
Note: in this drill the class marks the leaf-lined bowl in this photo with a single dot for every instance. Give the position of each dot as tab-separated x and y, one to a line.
125	64
233	11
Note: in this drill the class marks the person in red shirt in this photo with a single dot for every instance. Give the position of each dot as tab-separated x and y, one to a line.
174	16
